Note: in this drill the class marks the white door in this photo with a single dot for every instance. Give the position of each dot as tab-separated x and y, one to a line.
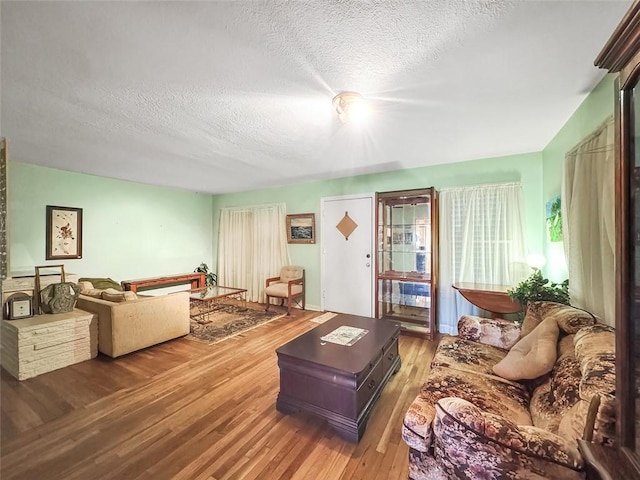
347	254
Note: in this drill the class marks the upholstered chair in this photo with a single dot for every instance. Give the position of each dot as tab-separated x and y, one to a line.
288	286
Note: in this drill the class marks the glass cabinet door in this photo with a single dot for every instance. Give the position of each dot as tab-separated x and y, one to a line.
634	248
405	258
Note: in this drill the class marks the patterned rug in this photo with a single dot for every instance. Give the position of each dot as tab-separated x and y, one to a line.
229	321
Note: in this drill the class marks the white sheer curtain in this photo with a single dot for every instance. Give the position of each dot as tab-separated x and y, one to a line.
589	222
252	247
481	240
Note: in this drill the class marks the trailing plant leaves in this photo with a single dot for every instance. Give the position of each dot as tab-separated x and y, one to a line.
536	288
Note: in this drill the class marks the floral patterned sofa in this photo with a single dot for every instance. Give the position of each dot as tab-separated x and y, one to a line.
502	401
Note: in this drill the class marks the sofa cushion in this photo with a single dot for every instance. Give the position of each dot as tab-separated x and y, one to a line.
595	350
471	443
569	319
557	395
112	295
102	283
533	356
573	422
490	393
461	354
489	331
85	286
93	292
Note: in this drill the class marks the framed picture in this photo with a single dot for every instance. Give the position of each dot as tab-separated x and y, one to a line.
64	233
301	228
553	215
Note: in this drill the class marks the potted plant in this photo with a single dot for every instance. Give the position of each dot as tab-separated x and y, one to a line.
211	278
536	288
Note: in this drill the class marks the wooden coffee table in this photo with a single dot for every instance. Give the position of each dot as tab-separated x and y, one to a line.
339	383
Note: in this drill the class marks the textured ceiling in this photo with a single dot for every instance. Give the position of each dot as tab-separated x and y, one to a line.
229	96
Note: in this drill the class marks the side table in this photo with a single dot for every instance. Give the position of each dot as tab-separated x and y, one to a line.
42	343
492	298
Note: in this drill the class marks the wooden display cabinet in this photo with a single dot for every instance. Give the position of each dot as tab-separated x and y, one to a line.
621	55
406	260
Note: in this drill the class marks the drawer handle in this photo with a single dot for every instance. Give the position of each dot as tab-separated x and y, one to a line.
391	356
371	384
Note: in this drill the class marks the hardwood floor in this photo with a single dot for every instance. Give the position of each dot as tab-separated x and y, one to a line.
187	410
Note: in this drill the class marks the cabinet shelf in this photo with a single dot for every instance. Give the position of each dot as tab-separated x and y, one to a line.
405	277
405	267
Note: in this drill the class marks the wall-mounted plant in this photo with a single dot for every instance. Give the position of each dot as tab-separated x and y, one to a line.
536	288
211	278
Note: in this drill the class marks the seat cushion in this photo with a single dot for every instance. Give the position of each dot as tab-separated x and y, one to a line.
489	393
533	356
279	289
472	443
461	354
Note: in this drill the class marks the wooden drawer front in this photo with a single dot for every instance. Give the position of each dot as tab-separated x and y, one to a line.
389	355
369	386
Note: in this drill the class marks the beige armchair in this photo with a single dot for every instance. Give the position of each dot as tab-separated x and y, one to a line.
289	285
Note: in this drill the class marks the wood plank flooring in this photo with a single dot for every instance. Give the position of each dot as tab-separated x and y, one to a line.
187	410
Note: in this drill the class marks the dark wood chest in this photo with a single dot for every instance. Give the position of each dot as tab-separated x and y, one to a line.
339	383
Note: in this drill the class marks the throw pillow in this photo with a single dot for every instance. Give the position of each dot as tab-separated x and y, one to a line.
569	319
102	283
93	292
85	286
532	319
112	295
533	356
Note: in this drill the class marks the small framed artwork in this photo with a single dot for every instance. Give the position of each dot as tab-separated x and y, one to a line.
64	233
301	228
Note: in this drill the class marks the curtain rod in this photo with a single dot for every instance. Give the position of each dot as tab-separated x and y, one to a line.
483	185
254	207
608	123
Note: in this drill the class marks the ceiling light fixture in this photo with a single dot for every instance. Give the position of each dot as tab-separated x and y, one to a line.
351	106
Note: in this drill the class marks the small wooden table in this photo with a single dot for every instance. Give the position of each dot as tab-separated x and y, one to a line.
197	280
337	382
492	298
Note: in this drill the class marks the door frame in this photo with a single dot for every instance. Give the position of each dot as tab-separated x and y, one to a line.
371	196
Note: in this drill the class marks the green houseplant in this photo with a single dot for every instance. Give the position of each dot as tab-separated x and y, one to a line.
211	278
537	288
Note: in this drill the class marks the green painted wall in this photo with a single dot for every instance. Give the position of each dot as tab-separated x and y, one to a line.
594	110
133	230
129	230
305	197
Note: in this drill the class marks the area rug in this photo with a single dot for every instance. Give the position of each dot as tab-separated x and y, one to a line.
228	321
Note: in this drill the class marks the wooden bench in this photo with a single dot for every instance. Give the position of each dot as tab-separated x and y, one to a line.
197	280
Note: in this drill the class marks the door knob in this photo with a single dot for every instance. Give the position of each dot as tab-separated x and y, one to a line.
368	255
